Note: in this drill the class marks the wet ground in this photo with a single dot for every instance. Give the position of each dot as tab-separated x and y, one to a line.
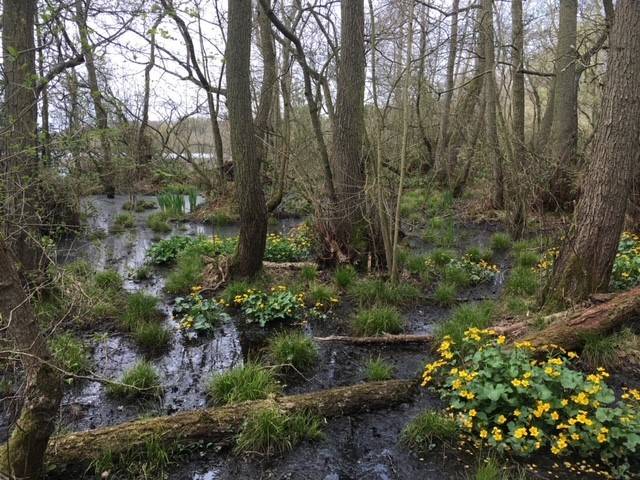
364	446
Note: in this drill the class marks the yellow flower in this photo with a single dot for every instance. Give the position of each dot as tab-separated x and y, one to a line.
497	434
484	433
473	412
534	432
554	415
520	432
501	339
501	419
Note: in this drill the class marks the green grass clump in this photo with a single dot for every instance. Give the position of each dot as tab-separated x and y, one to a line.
221	218
415	264
378	321
441	257
140	381
122	222
500	242
608	351
70	354
517	305
441	232
476	254
186	273
152	337
522	281
159	222
428	429
293	348
345	276
464	317
527	259
457	276
377	291
377	370
320	295
271	431
445	294
141	308
108	280
151	460
246	382
233	289
309	273
143	273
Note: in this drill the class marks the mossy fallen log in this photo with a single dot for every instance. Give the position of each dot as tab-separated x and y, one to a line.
379	340
569	328
219	425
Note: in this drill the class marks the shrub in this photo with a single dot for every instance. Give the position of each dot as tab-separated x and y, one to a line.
378	321
70	353
428	429
522	281
140	381
246	382
377	370
271	431
108	280
293	348
345	275
152	337
198	316
141	308
463	318
158	222
445	294
500	242
510	399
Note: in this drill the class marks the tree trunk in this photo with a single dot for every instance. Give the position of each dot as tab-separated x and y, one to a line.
269	81
443	169
585	261
348	131
250	196
518	197
107	171
219	425
491	118
564	135
22	456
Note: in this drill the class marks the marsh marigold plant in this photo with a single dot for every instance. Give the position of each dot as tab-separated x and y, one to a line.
508	398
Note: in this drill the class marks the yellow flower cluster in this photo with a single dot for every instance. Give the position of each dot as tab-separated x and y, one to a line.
488	266
631	394
474	334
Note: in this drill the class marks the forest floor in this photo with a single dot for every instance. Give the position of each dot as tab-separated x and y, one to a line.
362	446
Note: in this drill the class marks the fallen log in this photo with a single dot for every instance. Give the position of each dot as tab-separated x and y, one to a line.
220	424
287	265
569	328
380	340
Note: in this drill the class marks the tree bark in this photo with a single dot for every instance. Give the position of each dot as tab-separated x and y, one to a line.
585	261
348	131
250	196
219	425
564	135
22	456
491	119
107	171
20	162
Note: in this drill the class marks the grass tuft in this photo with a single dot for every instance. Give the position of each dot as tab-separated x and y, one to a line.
500	242
522	281
377	291
293	348
141	308
140	381
186	273
377	370
427	430
245	382
309	273
122	222
378	321
271	431
465	317
108	280
152	337
159	222
70	353
345	276
445	294
609	351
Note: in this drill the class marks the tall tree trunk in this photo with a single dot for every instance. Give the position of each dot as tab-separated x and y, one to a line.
348	132
564	135
443	169
491	96
107	172
20	163
250	197
269	81
45	137
518	197
22	456
585	261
